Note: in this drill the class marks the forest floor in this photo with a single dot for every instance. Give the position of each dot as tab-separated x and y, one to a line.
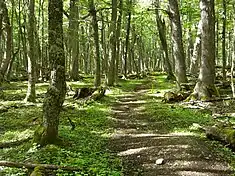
129	132
155	139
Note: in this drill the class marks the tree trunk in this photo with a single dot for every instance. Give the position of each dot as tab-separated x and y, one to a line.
162	35
96	39
55	95
113	42
8	28
205	87
31	93
196	51
127	42
224	40
118	38
74	40
178	50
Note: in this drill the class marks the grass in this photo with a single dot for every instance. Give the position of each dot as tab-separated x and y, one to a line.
87	143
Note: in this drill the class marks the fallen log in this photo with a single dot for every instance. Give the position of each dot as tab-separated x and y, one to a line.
224	134
83	92
32	166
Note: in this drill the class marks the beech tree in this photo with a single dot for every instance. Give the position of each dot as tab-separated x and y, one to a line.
205	87
31	94
54	99
178	50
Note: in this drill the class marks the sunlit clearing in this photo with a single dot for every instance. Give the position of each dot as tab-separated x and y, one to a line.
16	135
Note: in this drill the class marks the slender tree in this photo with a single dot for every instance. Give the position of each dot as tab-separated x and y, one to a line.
161	26
178	50
55	95
31	93
93	13
113	42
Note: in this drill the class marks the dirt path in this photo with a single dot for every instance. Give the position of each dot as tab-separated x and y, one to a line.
140	144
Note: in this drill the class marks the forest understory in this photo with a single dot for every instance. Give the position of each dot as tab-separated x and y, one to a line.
129	131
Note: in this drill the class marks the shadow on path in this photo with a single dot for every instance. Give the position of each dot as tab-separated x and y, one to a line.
140	144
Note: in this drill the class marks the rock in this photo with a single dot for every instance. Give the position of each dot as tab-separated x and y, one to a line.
159	161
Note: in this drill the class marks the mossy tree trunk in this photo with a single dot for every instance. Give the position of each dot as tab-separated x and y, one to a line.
31	93
8	28
178	49
55	95
205	87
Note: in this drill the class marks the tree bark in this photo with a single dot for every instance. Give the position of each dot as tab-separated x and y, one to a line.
55	95
118	38
127	42
96	39
224	39
74	40
31	93
161	26
113	42
196	51
178	50
8	28
205	87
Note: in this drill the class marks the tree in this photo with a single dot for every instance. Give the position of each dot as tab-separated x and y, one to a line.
8	28
31	94
55	95
93	13
74	43
113	42
178	50
161	26
205	87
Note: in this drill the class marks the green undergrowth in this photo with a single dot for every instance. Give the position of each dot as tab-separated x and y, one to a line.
174	118
85	147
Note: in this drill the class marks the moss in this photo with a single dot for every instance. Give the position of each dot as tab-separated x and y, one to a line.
38	134
38	171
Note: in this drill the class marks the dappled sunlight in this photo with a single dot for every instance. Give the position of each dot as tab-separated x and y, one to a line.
9	136
133	151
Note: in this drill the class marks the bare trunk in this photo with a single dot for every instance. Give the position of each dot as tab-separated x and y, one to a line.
31	94
96	39
162	35
205	87
178	50
196	51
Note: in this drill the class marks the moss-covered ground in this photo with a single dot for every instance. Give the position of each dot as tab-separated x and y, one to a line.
86	146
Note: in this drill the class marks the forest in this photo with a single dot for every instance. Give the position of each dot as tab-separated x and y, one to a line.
121	87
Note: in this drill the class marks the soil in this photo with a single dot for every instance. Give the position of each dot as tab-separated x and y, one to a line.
146	149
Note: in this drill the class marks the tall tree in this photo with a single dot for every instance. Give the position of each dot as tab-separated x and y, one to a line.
31	93
55	95
127	42
178	50
161	26
205	87
8	29
93	13
74	41
224	38
113	42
